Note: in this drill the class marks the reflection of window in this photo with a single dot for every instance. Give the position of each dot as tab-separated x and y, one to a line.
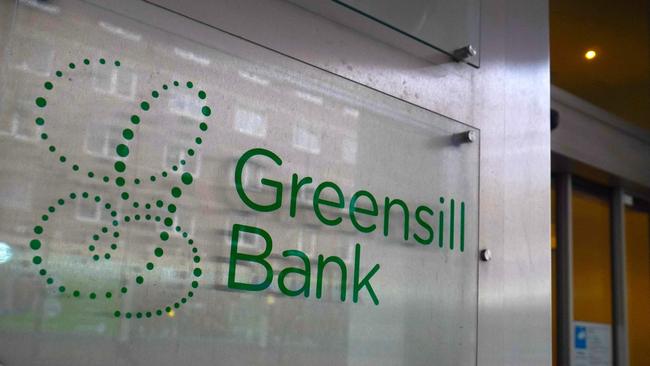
349	150
111	80
88	210
101	140
35	56
175	155
251	177
21	125
305	139
15	194
250	123
185	104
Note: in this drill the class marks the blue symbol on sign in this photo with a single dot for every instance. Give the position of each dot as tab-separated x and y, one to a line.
581	337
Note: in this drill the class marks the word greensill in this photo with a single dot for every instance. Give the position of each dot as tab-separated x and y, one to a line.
369	209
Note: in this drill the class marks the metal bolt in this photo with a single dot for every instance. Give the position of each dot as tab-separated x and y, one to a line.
486	255
464	52
468	136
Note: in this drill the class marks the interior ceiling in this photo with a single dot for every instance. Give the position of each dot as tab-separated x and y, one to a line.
618	78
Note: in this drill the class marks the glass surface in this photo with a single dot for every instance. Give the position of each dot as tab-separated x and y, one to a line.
592	269
443	25
108	278
554	305
637	254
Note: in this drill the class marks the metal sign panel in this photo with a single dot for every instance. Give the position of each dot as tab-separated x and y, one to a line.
163	201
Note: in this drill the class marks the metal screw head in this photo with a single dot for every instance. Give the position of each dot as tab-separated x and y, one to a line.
464	52
469	136
486	255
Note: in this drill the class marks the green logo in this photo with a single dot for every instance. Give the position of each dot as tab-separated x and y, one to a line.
106	240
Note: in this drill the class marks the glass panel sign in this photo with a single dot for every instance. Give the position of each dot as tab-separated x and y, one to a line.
449	26
171	194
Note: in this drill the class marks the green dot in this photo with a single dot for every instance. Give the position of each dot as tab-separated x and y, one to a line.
48	85
147	206
194	250
197	272
183	300
107	256
135	119
158	218
117	313
195	284
95	237
91	248
159	203
76	293
73	195
41	102
197	259
95	257
60	201
38	229
168	309
148	217
183	162
37	260
164	236
164	174
104	230
198	140
71	65
202	94
51	209
176	192
120	166
59	73
171	208
106	206
109	295
117	63
92	296
42	272
148	314
122	150
150	266
62	159
190	85
144	106
45	217
123	290
125	196
159	312
61	288
44	136
35	244
176	83
106	179
174	168
139	280
186	178
102	61
40	121
86	61
165	86
91	174
50	281
190	242
152	178
206	111
75	167
120	181
113	246
136	181
155	94
115	223
127	133
203	126
137	217
185	234
177	305
158	252
52	148
168	221
128	315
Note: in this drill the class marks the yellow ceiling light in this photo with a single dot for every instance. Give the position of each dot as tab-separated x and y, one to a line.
590	55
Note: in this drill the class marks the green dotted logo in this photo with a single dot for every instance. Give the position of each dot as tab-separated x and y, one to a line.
105	241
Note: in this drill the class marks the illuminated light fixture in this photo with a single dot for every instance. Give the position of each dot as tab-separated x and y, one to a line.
590	55
5	252
171	313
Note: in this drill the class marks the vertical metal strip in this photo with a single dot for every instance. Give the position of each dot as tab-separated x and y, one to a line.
564	269
619	285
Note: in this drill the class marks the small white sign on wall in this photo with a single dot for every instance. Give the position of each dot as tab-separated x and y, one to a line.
592	344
